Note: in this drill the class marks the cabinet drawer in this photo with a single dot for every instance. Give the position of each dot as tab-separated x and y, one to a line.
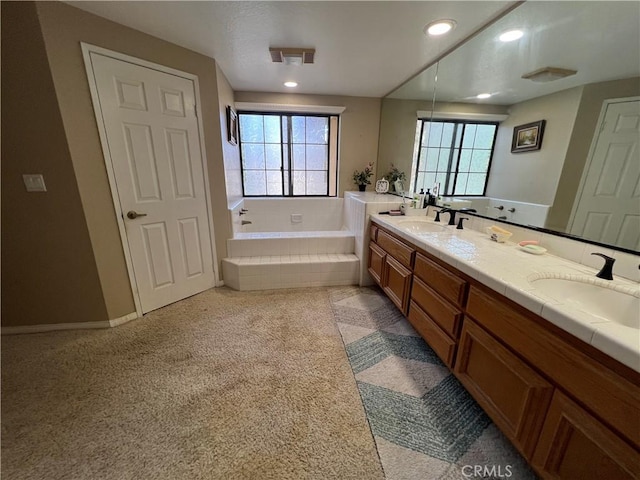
376	262
398	250
612	397
442	312
373	233
396	283
573	444
511	393
450	286
438	340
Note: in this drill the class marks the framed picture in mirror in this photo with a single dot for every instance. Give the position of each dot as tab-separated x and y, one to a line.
232	126
527	137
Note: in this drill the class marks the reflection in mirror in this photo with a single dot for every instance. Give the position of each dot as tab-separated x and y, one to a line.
585	178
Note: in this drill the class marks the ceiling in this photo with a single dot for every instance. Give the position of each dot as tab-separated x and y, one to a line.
362	48
599	39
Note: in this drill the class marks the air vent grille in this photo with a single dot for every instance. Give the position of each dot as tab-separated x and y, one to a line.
292	56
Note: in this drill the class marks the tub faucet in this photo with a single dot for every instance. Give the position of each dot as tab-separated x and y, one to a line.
606	272
246	222
452	215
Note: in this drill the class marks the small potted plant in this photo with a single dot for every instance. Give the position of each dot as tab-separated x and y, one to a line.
394	175
362	178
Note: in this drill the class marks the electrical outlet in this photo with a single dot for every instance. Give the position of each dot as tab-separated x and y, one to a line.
34	183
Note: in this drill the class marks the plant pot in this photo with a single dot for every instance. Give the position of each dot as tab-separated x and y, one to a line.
362	188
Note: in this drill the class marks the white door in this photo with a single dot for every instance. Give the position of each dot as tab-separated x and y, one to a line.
153	140
608	208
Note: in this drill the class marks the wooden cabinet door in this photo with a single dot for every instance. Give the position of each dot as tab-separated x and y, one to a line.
573	444
376	262
512	394
396	283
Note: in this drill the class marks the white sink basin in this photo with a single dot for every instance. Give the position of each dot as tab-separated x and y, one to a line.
422	226
599	300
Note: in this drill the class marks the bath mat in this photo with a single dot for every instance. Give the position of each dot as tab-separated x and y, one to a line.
425	424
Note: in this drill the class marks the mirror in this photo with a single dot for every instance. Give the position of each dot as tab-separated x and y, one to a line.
573	184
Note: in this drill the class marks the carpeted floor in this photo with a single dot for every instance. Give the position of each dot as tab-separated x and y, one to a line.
224	385
425	424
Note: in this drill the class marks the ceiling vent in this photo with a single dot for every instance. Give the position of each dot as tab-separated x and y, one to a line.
548	74
292	56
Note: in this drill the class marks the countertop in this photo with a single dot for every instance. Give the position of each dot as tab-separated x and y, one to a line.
508	270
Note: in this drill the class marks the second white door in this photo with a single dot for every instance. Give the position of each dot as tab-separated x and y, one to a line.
609	204
153	140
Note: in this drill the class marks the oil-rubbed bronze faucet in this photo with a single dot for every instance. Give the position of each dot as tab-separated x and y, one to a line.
452	215
607	269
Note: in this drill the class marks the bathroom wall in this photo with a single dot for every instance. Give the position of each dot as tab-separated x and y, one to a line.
49	274
578	150
541	168
67	149
359	127
398	129
230	153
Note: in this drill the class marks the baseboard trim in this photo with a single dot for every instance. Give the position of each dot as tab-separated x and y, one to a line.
122	320
50	327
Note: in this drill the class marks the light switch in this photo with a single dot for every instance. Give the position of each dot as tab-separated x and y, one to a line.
34	183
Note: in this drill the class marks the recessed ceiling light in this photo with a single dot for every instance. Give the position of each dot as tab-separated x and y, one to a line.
511	35
290	84
439	27
483	95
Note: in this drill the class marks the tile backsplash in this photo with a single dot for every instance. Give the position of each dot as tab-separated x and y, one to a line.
626	265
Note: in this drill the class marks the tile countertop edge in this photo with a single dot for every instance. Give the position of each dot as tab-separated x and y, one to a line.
511	282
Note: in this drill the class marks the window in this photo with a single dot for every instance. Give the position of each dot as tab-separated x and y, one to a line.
286	154
457	154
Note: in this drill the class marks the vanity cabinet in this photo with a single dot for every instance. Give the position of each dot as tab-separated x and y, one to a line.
570	409
514	395
573	444
396	283
390	263
376	262
435	311
560	357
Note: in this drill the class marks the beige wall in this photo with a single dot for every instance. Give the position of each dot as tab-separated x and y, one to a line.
49	274
359	127
398	129
63	28
583	132
533	176
231	153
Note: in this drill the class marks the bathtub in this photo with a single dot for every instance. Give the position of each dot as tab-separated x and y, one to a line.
287	215
289	242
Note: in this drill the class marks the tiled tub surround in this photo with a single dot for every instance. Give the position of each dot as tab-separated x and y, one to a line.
288	215
358	206
507	270
290	242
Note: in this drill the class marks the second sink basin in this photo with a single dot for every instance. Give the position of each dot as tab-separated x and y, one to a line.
421	226
599	300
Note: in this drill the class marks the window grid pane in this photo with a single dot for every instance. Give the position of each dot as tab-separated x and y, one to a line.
264	153
455	154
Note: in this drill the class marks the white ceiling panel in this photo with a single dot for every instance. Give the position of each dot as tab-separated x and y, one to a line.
362	48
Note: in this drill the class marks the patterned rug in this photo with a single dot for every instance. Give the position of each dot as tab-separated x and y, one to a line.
425	424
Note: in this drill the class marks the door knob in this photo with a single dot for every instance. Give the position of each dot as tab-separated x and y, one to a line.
132	214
